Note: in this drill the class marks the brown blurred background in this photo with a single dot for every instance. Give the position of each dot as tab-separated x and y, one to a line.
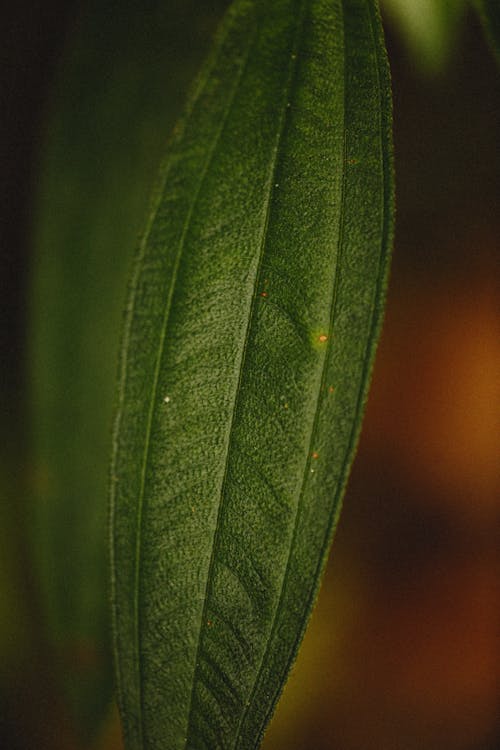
403	651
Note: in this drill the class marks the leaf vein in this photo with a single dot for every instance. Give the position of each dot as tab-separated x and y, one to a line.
161	344
251	317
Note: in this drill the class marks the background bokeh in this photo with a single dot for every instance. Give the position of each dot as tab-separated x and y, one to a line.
403	650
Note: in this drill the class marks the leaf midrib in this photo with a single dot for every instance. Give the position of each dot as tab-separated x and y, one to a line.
367	363
311	443
156	375
251	315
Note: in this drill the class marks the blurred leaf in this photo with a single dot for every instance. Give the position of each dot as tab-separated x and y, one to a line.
489	12
429	28
118	90
248	343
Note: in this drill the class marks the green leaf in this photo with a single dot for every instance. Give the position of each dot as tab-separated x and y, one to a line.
117	93
489	12
429	27
252	323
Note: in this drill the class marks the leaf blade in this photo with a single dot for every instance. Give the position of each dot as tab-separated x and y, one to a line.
219	547
358	21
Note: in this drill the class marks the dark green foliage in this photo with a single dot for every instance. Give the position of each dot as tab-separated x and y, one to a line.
252	322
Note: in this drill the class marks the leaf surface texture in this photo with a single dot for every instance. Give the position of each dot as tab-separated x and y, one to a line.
253	317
